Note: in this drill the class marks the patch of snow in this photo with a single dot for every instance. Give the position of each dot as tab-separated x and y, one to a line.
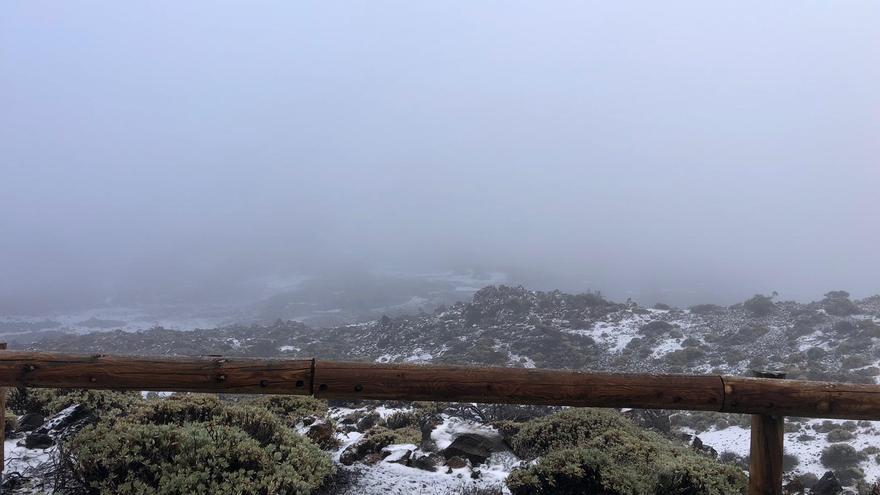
452	427
419	356
665	347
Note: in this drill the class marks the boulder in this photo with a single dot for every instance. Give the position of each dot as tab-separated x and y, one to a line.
404	459
368	421
471	446
794	487
31	421
827	485
79	416
38	441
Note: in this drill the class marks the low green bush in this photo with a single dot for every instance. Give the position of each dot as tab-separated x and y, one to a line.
49	401
839	435
598	451
840	456
293	407
196	444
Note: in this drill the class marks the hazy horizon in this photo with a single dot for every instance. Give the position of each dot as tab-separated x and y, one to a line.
707	151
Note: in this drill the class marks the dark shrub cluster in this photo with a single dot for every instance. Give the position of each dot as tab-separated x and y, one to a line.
760	305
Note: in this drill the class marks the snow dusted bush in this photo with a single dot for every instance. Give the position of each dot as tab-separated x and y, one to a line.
760	305
840	456
839	435
598	451
48	401
196	444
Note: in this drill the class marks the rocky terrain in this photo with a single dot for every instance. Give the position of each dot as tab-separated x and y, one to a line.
835	338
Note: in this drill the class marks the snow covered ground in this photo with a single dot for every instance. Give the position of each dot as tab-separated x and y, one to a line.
808	450
390	477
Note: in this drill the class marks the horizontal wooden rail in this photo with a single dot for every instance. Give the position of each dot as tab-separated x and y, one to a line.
329	379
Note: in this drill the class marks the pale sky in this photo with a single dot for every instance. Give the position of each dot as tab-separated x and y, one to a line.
709	148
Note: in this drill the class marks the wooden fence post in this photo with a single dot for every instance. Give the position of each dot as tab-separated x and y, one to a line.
765	462
2	424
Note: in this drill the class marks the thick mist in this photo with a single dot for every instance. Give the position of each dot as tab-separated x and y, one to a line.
689	151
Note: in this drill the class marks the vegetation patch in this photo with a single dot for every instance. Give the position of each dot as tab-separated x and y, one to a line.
598	451
196	444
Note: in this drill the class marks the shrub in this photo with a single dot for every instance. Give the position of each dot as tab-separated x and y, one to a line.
849	476
854	361
706	309
825	426
839	435
196	444
837	303
596	451
840	456
576	471
49	401
655	328
293	407
760	305
815	353
685	356
10	421
402	419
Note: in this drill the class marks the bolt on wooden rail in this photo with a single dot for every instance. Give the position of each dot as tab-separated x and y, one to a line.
761	396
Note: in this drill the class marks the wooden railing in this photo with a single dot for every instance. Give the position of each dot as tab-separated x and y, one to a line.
767	398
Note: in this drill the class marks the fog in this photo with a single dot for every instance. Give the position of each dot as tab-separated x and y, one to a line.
689	150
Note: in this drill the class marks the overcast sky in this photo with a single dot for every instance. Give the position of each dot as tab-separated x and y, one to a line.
712	148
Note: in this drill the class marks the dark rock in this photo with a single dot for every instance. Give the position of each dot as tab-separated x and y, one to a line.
31	421
456	462
425	462
827	485
323	434
368	421
427	424
698	446
80	414
375	457
655	328
404	459
471	446
38	441
794	487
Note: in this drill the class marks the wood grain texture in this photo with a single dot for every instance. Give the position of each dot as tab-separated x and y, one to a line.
205	374
442	383
516	386
765	456
801	398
